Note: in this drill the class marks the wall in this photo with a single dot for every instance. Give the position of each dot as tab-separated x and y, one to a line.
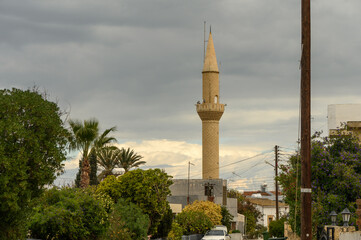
337	113
270	211
196	187
289	233
350	236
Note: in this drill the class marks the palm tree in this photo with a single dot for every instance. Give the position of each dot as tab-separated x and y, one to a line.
99	143
85	138
107	158
128	159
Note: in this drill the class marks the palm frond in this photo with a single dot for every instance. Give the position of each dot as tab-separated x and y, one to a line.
129	159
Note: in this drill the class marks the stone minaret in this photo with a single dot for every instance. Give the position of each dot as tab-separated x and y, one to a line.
210	111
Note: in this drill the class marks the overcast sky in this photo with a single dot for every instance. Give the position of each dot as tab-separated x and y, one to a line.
137	65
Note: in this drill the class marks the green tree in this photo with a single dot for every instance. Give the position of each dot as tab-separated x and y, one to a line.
194	221
107	158
129	159
176	231
93	175
276	227
146	188
32	149
227	217
336	174
211	209
165	224
85	137
129	216
250	211
69	213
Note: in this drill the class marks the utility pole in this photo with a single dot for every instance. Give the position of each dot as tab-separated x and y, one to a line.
276	181
306	218
189	170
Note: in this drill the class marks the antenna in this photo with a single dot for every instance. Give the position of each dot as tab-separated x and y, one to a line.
219	85
204	42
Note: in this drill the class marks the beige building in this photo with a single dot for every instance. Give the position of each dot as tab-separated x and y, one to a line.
347	114
210	111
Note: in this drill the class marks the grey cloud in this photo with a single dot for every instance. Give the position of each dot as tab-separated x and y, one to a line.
137	64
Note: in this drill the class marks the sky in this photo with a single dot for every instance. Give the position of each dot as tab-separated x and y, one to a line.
136	65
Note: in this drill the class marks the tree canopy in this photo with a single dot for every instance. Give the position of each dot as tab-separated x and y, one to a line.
69	213
32	148
129	159
336	174
146	188
211	209
193	222
86	138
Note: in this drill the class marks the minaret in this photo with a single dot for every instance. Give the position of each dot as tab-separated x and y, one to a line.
210	111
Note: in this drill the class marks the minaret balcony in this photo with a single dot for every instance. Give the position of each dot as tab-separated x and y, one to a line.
210	111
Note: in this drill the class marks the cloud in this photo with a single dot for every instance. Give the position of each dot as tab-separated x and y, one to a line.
174	156
137	65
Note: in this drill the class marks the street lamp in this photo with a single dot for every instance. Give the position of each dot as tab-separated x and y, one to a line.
333	215
346	214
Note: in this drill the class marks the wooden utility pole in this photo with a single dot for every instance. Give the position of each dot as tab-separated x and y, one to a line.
306	218
276	181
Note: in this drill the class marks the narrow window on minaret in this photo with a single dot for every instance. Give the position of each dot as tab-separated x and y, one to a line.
216	99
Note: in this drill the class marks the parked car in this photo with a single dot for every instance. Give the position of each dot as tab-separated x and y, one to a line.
216	234
221	227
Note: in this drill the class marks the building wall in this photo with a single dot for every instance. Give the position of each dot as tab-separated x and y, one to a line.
179	193
270	212
340	113
197	187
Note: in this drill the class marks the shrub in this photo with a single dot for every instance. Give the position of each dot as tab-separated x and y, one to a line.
127	220
276	228
165	224
176	232
226	217
68	214
146	188
211	209
194	222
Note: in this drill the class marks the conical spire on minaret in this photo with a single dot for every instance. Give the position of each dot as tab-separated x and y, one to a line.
210	61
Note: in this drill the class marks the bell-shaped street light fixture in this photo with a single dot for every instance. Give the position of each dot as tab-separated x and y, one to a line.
346	214
333	216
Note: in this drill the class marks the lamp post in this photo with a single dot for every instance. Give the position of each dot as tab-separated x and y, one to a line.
346	214
333	216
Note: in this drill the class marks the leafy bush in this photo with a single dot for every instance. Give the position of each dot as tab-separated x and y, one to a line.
276	228
146	188
127	221
165	224
194	222
69	214
211	209
176	232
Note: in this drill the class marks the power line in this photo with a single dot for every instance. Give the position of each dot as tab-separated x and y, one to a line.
239	161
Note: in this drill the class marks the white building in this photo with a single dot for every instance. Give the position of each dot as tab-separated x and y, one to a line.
342	113
268	209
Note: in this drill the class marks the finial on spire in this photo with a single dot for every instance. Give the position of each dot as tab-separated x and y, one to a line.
210	28
210	60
